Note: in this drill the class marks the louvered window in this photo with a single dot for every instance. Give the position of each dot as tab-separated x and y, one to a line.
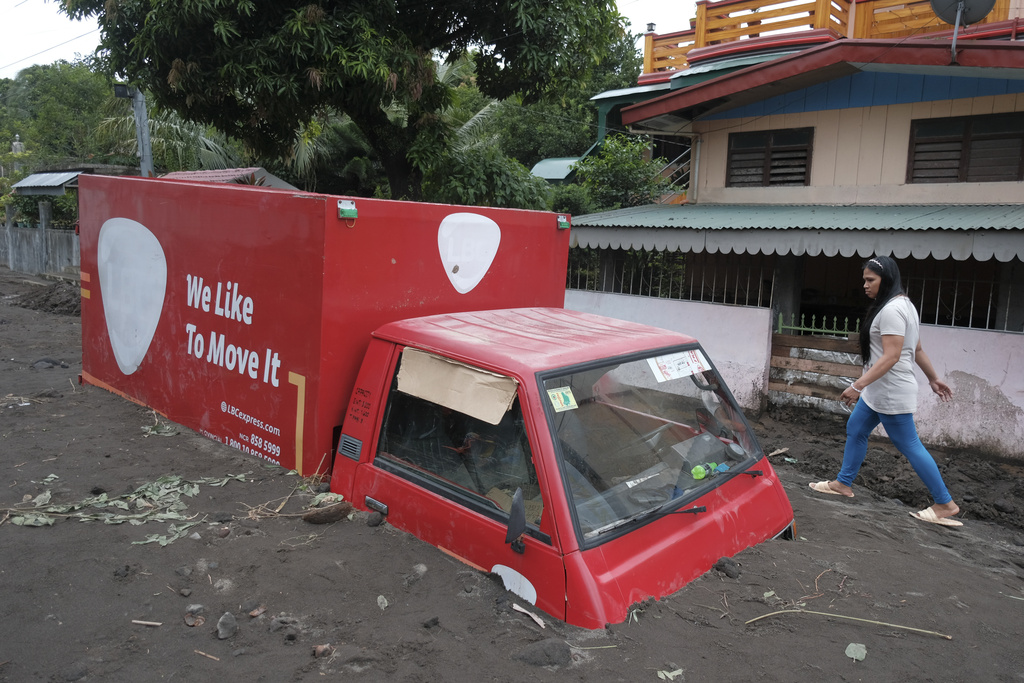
769	158
967	149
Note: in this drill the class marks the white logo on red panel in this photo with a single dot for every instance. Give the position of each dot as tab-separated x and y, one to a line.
133	280
467	243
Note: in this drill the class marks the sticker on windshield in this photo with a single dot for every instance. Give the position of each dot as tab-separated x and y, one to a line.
562	399
676	365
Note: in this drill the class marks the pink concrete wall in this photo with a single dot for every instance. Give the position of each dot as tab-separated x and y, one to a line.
986	371
738	338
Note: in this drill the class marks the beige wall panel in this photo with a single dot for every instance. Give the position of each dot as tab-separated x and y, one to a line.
896	147
955	193
825	154
941	109
922	110
982	105
851	123
870	147
1003	103
713	150
961	107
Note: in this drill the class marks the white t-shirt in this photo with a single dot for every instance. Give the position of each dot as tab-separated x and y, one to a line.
895	392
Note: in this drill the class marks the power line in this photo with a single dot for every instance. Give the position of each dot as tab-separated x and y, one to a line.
25	59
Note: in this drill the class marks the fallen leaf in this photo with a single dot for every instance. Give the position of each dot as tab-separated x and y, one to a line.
856	652
258	611
670	675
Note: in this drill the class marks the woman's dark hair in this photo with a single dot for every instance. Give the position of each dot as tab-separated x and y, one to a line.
884	267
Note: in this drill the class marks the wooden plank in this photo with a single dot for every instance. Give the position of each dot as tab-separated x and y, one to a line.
851	345
820	367
804	390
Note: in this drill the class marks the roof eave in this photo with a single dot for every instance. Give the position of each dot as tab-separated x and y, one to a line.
819	64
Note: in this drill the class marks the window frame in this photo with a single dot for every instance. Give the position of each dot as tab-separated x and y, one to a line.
768	151
966	137
433	482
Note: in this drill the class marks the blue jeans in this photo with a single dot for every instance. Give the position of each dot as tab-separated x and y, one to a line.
901	430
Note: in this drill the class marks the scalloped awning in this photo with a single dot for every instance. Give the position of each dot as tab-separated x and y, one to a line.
960	232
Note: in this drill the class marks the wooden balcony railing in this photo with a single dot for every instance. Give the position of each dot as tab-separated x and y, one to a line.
730	21
900	18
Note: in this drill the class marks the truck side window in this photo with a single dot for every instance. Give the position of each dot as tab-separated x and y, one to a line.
466	459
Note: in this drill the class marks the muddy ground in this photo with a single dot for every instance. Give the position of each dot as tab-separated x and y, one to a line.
73	594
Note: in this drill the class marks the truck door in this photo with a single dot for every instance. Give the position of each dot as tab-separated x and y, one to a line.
453	448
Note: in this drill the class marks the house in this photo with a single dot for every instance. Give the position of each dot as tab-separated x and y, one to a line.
821	134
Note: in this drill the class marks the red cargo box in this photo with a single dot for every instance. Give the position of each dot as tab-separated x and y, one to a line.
244	312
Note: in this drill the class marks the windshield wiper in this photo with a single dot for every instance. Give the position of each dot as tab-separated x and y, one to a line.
659	511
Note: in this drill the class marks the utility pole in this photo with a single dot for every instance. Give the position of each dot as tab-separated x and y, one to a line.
141	126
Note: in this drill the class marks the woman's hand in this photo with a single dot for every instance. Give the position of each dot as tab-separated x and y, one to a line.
849	396
942	389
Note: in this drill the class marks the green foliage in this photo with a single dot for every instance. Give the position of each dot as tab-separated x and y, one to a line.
483	176
55	109
260	73
620	175
564	123
572	199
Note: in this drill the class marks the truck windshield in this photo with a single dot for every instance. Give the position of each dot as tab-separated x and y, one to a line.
646	436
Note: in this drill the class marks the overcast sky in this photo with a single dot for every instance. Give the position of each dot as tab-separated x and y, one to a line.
35	32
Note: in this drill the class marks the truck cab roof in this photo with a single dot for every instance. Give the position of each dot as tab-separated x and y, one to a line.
526	340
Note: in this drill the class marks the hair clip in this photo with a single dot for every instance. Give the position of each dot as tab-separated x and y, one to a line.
877	263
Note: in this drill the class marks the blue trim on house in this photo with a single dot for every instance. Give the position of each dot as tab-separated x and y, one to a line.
873	89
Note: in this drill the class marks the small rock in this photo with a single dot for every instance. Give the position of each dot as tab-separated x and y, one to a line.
970	498
185	592
323	651
122	572
212	565
417	573
1018	540
223	532
249	605
374	519
1004	505
195	536
432	622
332	513
227	626
728	566
239	652
549	652
324	487
183	571
97	490
195	608
282	623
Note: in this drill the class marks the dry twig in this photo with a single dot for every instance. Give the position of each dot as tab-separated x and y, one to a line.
842	616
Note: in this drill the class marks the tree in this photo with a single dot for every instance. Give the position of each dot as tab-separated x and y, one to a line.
57	108
260	71
620	175
564	122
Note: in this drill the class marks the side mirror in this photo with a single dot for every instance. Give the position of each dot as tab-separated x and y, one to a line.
517	523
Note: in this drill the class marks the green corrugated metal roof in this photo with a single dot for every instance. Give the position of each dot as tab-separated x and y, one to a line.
815	217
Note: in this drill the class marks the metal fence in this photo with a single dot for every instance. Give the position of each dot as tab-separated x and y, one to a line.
738	279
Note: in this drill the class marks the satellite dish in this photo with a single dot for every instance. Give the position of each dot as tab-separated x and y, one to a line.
972	11
961	13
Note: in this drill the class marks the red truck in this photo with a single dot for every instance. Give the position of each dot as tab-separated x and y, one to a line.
420	355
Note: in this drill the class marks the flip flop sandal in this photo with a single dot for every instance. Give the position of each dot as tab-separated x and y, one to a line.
928	515
823	487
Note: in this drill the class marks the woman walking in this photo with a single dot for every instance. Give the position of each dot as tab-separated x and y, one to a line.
887	391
